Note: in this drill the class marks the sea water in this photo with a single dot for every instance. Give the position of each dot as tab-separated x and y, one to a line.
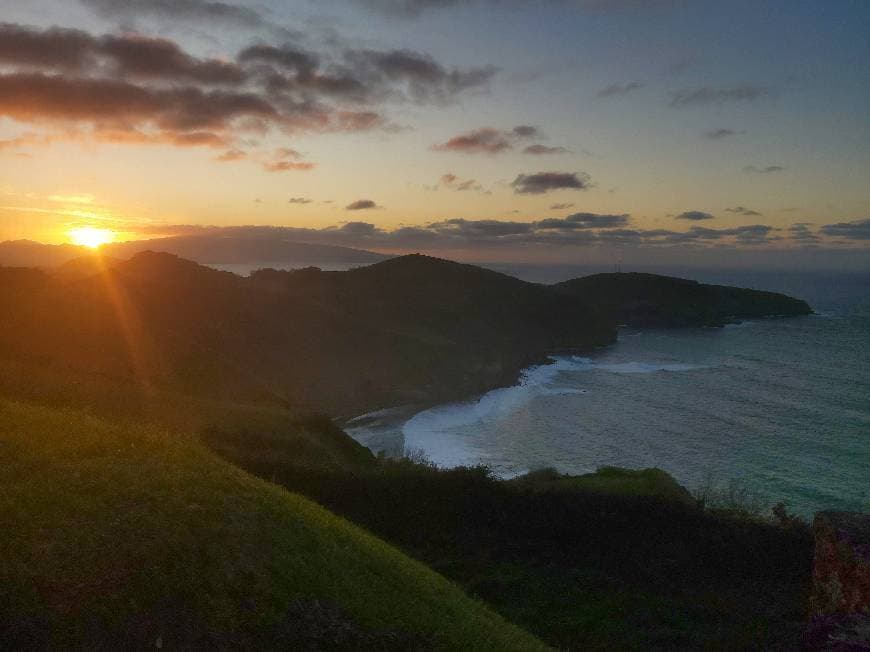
781	406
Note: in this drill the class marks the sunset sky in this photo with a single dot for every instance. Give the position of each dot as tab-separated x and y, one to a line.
564	130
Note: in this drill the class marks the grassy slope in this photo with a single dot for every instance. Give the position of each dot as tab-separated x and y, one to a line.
613	560
128	535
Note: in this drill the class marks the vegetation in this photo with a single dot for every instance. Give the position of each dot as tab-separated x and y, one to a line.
618	559
124	383
118	536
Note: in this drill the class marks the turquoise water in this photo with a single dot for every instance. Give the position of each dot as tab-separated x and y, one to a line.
782	406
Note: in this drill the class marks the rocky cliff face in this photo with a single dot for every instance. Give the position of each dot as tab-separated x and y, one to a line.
840	604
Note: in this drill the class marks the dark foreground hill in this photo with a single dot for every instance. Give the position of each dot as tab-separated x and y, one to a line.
650	300
412	329
120	536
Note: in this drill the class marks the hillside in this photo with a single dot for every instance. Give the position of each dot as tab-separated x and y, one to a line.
120	536
412	329
650	300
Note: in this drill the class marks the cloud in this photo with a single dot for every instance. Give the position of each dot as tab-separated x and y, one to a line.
801	232
526	131
707	95
579	230
770	169
287	166
694	216
479	141
415	75
619	89
542	182
719	134
488	140
561	207
544	149
194	10
361	205
453	182
124	57
584	221
856	230
751	234
231	155
299	200
742	210
134	89
414	8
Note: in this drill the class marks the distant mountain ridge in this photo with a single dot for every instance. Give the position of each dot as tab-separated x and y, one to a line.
412	329
211	248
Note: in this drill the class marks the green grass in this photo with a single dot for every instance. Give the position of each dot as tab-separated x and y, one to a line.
119	535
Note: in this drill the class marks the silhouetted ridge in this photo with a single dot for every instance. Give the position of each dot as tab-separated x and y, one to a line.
413	329
652	300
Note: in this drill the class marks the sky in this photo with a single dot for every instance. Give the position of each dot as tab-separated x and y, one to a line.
581	131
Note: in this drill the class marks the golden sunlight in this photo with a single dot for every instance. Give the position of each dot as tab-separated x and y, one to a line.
91	237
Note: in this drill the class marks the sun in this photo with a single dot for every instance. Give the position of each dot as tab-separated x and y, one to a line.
91	237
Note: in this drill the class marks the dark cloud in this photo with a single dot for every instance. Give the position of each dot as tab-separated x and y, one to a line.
359	229
489	140
802	233
541	182
561	207
131	89
480	141
526	131
719	134
126	56
856	230
752	169
194	10
361	204
706	95
417	76
35	97
300	200
414	8
584	221
695	216
619	89
474	229
742	210
581	230
286	57
544	149
751	234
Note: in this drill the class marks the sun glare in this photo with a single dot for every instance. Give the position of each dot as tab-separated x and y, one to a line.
91	237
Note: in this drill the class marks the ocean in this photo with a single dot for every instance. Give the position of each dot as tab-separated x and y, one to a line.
780	407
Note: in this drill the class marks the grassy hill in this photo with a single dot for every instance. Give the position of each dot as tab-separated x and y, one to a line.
127	536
